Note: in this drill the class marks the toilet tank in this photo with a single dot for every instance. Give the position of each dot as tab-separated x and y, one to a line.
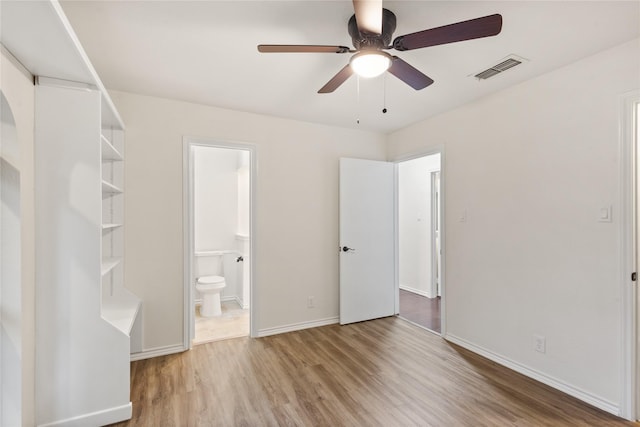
208	263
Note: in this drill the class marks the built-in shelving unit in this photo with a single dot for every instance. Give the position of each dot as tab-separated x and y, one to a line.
87	321
119	306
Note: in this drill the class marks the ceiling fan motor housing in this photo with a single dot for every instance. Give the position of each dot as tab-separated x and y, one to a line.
373	41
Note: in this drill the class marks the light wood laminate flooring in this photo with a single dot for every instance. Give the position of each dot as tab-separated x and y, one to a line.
386	372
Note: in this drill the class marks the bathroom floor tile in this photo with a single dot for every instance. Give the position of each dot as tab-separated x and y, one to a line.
233	323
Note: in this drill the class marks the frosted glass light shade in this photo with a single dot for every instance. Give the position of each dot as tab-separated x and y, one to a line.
370	64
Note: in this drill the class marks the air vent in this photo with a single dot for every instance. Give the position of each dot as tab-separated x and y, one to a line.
507	63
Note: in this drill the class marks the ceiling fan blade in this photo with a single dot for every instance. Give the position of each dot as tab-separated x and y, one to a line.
368	16
300	48
337	80
408	74
465	30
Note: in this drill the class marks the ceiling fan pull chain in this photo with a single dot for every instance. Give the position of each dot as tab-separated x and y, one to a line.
384	94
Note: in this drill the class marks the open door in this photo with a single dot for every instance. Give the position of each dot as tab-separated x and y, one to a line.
367	243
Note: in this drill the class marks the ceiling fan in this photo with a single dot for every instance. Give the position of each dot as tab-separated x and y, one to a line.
371	28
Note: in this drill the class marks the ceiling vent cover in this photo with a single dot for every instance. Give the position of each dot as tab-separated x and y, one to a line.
504	65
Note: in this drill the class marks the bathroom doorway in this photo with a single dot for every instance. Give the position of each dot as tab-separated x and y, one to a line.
219	181
419	241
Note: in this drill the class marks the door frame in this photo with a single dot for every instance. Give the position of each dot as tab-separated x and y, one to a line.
630	371
435	230
188	229
436	149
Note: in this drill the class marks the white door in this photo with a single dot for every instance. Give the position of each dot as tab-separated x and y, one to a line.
367	244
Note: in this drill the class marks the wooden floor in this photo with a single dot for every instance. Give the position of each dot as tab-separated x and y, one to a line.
420	310
385	372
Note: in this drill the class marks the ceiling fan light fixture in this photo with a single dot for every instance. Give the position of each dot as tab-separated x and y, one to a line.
370	63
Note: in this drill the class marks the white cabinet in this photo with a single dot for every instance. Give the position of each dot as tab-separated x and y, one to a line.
85	316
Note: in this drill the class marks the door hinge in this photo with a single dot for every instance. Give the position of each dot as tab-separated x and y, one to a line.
634	276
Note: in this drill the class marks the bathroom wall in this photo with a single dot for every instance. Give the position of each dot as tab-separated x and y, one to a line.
414	224
215	198
244	194
296	210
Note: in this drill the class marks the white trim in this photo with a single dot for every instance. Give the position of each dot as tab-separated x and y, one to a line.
216	253
396	239
415	291
158	351
189	302
436	149
99	418
562	386
64	84
628	259
435	216
298	326
187	233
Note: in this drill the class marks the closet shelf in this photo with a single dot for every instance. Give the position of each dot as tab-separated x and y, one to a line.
121	311
109	152
108	188
110	226
109	264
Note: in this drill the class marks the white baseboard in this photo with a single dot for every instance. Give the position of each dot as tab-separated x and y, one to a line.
564	387
236	299
297	326
158	351
415	291
99	418
229	298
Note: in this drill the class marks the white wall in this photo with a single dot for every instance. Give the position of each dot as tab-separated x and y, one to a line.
296	210
414	224
215	186
18	333
532	166
244	194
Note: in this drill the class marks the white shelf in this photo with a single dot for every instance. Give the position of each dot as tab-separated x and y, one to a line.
108	188
110	226
121	311
109	264
109	152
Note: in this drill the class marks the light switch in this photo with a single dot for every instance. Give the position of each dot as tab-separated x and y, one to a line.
605	214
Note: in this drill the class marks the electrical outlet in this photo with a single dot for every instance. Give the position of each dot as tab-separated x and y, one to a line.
311	302
539	343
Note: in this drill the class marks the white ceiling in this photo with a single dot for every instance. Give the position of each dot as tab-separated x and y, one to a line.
205	52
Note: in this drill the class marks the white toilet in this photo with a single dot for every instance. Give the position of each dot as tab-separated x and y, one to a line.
210	287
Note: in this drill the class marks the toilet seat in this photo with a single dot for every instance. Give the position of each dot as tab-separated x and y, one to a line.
210	283
209	280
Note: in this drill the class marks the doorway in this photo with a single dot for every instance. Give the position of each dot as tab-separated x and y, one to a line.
219	182
419	241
